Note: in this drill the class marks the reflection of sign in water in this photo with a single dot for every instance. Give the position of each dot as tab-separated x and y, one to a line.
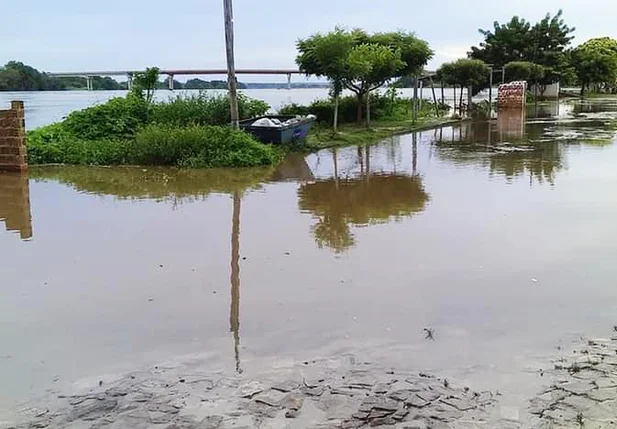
511	123
362	201
15	203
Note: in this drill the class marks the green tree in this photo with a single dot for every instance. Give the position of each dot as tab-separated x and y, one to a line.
361	62
326	56
144	84
468	73
595	62
415	52
525	70
544	43
16	76
370	66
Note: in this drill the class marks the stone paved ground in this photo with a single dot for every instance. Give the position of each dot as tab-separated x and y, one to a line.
318	394
584	391
334	393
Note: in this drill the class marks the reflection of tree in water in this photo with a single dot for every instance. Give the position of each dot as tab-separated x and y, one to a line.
164	184
365	200
504	154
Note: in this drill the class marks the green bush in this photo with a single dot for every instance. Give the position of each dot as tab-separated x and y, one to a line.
199	146
204	109
117	118
191	146
71	150
384	107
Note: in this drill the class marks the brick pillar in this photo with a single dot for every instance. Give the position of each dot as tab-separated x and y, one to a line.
13	138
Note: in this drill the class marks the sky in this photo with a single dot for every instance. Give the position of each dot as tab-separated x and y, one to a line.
77	35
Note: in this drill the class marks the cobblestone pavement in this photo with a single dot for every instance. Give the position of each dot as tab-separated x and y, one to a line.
584	391
318	394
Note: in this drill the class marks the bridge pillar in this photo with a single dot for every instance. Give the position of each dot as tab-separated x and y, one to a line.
89	85
289	81
171	82
129	81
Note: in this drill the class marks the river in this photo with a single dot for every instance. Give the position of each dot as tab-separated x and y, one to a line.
499	237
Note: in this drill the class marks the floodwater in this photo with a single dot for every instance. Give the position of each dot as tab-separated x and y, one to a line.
500	237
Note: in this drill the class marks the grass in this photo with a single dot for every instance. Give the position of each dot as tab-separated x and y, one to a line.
353	134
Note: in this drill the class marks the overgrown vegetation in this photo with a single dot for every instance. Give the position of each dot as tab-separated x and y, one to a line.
204	109
185	132
384	107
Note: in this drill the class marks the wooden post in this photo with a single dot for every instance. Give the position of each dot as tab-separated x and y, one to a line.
231	67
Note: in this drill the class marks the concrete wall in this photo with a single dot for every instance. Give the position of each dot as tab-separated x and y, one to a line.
12	138
551	91
15	203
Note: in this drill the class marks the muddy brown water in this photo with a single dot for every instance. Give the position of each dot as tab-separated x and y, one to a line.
499	237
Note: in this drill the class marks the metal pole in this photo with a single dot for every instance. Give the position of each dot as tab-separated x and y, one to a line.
415	99
490	94
231	67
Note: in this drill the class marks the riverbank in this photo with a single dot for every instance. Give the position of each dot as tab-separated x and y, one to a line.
338	392
352	134
326	393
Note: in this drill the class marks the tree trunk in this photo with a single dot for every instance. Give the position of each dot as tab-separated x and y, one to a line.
460	102
359	117
434	98
335	125
583	89
454	102
469	99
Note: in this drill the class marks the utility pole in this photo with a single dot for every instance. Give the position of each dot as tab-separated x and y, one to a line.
231	67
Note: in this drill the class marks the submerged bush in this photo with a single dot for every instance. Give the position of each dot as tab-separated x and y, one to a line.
199	146
204	109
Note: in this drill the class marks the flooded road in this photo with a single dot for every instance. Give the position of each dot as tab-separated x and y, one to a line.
498	237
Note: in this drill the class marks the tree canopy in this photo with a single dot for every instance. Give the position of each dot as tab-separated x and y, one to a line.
465	72
524	70
596	62
545	43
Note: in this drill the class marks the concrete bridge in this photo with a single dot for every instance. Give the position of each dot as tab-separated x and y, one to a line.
88	75
189	72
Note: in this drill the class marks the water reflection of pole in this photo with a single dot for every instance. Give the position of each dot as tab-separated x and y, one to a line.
335	161
414	153
234	312
367	152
